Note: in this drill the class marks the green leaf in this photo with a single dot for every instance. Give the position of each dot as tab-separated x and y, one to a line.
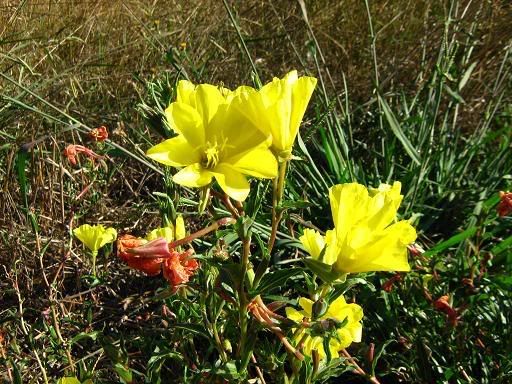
502	246
156	362
467	75
16	371
84	335
263	265
454	240
378	354
193	328
397	130
125	373
275	279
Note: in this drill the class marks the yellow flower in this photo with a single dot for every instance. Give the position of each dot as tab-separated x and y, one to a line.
169	233
278	108
214	141
95	236
349	315
367	236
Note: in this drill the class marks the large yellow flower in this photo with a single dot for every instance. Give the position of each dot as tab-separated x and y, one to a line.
349	316
368	238
214	140
278	108
95	236
366	235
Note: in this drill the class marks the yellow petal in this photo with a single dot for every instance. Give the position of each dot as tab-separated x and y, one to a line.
166	232
307	306
193	176
313	242
176	152
258	162
186	120
87	235
108	236
331	250
180	228
348	206
383	205
231	181
185	93
277	108
301	94
208	100
385	251
250	104
293	314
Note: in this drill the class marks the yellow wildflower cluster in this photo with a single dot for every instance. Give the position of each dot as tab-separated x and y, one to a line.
227	135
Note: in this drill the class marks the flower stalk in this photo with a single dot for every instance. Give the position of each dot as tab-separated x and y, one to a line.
277	196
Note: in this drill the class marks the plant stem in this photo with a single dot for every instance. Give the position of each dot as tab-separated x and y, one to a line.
244	302
219	223
358	369
276	200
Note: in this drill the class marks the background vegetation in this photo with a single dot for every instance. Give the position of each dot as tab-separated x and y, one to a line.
416	91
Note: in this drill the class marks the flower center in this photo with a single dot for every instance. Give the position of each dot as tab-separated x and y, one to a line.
210	156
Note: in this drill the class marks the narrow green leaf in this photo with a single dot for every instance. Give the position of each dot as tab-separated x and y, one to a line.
502	246
466	75
275	279
397	130
454	240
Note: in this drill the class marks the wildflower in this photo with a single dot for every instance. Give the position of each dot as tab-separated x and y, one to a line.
365	237
149	265
73	150
505	205
179	267
154	253
95	236
341	319
99	134
278	108
214	141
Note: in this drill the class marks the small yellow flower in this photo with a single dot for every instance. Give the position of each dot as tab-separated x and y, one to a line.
349	314
278	108
214	141
95	236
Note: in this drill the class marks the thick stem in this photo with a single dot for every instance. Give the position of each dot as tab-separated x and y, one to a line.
277	196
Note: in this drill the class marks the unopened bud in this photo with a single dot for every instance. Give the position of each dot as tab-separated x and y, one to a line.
320	307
